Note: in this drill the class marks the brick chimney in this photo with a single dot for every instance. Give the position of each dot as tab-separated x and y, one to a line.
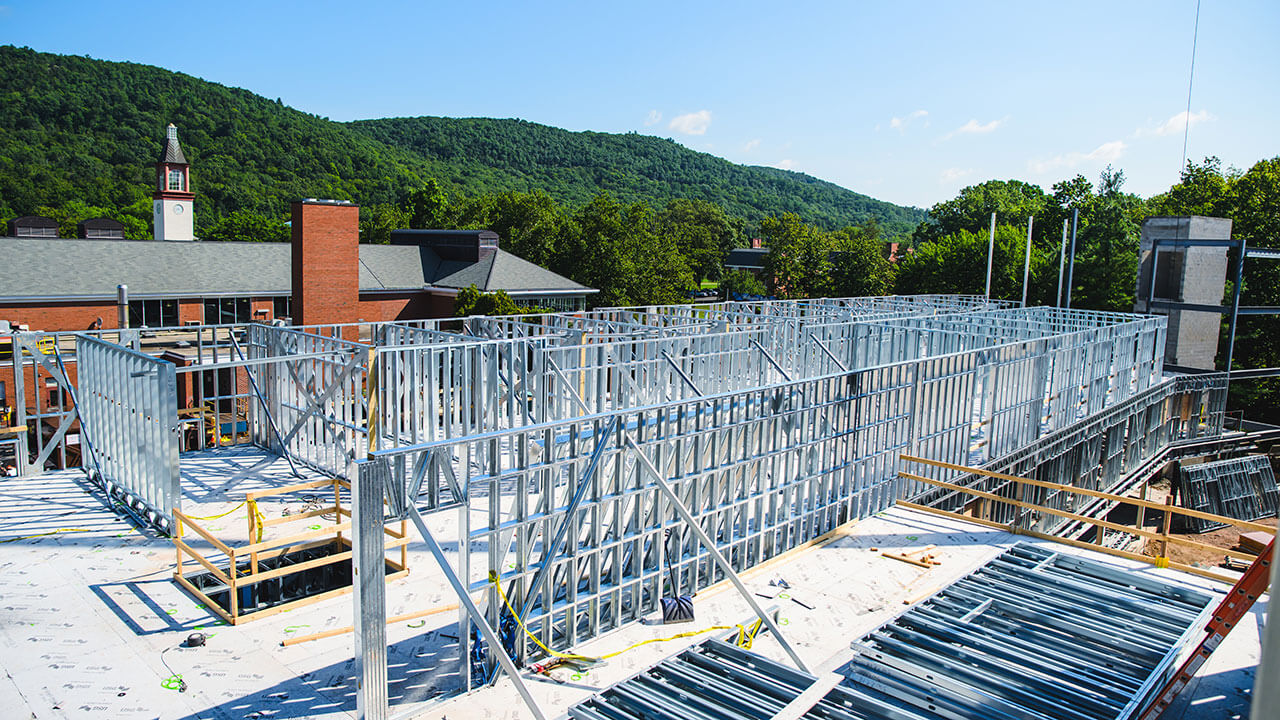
326	262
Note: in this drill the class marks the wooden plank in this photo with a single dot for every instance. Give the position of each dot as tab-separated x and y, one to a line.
1077	543
187	522
272	554
1254	542
208	603
300	537
1082	518
310	485
217	572
337	592
296	567
390	621
269	522
1095	493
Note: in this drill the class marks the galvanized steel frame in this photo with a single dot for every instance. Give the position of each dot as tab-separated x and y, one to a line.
128	414
1031	634
772	423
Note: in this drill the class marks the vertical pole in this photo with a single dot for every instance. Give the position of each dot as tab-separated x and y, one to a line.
1071	264
1062	259
369	592
1266	689
991	249
1026	264
122	306
1235	308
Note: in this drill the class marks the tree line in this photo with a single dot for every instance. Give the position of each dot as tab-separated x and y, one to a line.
76	129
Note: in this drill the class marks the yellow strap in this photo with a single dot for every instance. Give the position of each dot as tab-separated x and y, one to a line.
43	534
253	508
493	578
257	515
743	641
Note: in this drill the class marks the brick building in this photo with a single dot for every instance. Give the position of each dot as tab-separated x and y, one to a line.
324	275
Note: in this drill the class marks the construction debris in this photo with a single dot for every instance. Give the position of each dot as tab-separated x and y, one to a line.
923	557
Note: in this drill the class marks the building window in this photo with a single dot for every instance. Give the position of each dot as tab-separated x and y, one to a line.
557	303
35	231
103	234
153	313
175	180
227	311
282	307
1168	280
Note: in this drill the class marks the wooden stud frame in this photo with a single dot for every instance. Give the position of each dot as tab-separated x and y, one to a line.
980	509
227	568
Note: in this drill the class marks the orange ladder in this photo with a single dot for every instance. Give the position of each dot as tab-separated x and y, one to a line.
1238	601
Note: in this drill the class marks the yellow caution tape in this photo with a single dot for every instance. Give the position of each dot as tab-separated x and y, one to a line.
744	639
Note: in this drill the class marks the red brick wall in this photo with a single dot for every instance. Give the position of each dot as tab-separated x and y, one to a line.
442	305
403	306
29	385
190	311
326	263
60	316
263	309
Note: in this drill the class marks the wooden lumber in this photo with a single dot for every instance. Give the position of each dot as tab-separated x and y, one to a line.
909	560
390	621
1254	542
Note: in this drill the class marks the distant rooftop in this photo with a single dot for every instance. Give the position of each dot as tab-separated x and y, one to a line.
76	268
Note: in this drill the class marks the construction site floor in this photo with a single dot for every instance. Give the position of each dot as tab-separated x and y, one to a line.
91	623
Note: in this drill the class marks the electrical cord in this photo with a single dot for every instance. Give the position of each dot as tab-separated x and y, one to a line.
744	640
174	681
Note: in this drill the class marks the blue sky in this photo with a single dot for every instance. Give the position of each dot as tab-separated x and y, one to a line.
904	101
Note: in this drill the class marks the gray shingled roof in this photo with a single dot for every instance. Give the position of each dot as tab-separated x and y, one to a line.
47	267
172	152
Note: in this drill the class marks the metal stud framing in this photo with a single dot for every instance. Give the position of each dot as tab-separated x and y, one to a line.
129	426
1032	634
770	422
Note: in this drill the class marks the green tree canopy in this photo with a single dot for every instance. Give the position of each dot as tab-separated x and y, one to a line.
798	264
1013	201
245	226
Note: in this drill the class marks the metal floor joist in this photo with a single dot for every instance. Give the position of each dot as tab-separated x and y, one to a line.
1031	635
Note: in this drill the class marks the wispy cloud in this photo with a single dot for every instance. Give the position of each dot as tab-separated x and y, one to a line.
1106	152
694	123
787	164
751	145
655	117
973	127
1176	124
951	175
900	123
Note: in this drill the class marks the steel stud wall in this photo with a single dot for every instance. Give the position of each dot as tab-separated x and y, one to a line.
129	426
774	422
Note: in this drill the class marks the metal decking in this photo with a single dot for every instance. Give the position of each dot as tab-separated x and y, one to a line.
1031	635
1243	488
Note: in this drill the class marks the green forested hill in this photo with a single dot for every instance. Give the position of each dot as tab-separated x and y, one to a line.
575	166
78	129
